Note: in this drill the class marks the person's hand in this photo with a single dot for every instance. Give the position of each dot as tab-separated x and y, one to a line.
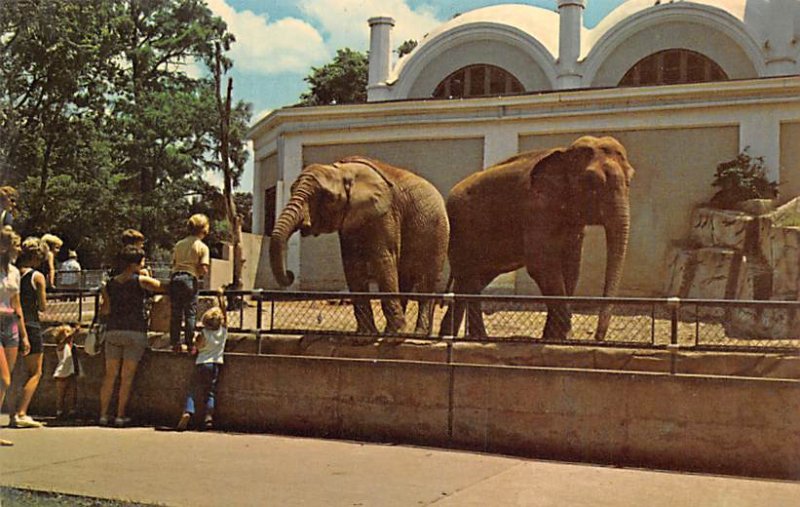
26	346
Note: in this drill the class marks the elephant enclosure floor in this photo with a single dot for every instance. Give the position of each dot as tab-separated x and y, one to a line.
630	324
638	324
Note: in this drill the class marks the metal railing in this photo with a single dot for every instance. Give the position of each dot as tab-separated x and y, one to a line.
636	322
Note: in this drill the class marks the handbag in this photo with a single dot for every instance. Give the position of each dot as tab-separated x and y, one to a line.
94	338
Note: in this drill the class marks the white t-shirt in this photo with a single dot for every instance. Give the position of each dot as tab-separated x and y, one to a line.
213	349
9	286
66	366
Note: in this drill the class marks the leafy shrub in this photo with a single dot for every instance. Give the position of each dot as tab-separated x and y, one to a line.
741	179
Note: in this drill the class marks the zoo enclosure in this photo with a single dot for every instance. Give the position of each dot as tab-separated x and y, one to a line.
761	326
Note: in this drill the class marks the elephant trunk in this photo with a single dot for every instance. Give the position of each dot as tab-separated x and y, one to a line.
617	226
290	219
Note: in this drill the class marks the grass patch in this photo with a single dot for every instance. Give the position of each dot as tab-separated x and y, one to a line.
14	497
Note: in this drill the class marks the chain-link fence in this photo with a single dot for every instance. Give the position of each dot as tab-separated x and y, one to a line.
697	324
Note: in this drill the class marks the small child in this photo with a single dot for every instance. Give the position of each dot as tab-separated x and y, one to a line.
210	344
67	370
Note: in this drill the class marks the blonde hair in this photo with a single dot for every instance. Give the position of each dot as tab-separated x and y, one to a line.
33	252
197	223
60	334
213	318
52	241
8	192
9	246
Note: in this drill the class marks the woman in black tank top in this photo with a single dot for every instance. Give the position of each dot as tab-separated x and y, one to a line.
123	306
33	300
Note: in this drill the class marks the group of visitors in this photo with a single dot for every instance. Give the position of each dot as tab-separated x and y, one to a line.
27	270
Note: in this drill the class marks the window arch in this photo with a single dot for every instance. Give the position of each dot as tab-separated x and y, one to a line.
478	81
673	66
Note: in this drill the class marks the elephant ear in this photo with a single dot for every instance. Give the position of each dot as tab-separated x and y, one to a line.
370	194
332	187
548	178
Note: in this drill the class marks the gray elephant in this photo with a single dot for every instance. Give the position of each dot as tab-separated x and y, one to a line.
392	227
531	211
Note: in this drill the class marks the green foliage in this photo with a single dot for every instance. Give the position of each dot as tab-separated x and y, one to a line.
406	47
102	127
343	81
741	179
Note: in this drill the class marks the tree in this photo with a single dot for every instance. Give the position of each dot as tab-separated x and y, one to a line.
169	120
406	47
230	149
102	128
343	81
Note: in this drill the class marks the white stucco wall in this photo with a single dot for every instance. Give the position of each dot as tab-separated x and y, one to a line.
495	52
747	38
676	136
713	43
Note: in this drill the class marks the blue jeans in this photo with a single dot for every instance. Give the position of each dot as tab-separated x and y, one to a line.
203	386
183	302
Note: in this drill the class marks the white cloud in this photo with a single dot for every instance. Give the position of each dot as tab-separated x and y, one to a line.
269	47
264	46
344	22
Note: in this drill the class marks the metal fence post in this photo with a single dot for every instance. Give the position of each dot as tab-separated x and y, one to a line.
259	308
80	306
674	305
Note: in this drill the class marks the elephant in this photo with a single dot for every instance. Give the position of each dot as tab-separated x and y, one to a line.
392	226
531	210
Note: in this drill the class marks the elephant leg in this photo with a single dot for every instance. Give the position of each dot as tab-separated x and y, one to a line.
571	254
548	276
451	322
475	324
393	310
356	275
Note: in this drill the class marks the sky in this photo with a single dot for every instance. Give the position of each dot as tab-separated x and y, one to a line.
278	41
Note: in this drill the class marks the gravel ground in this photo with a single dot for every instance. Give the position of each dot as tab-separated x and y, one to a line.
630	324
12	497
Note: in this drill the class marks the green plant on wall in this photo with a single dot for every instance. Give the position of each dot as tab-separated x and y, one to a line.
741	179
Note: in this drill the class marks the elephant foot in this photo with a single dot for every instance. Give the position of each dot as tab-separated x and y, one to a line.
367	330
422	330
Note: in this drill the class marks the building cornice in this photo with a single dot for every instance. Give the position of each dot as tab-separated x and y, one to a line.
520	107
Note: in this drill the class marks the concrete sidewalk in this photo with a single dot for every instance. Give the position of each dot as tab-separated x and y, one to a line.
197	469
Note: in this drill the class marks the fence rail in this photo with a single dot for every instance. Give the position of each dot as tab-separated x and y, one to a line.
636	322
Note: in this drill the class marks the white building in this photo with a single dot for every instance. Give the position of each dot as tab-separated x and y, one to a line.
683	84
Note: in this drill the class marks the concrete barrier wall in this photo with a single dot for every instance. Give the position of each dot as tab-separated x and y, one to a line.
715	424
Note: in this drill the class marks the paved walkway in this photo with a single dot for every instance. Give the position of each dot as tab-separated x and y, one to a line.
198	469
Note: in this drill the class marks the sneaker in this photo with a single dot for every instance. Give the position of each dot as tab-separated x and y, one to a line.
183	423
121	422
208	423
26	421
103	421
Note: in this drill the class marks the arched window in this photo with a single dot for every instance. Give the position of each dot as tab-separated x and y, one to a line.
673	66
478	81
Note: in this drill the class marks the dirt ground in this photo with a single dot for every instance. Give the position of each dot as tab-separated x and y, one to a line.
637	324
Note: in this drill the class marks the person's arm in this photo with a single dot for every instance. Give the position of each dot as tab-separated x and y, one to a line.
51	263
25	345
151	284
199	340
105	303
41	290
220	297
204	260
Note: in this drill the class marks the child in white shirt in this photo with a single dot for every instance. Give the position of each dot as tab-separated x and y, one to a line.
210	344
67	370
